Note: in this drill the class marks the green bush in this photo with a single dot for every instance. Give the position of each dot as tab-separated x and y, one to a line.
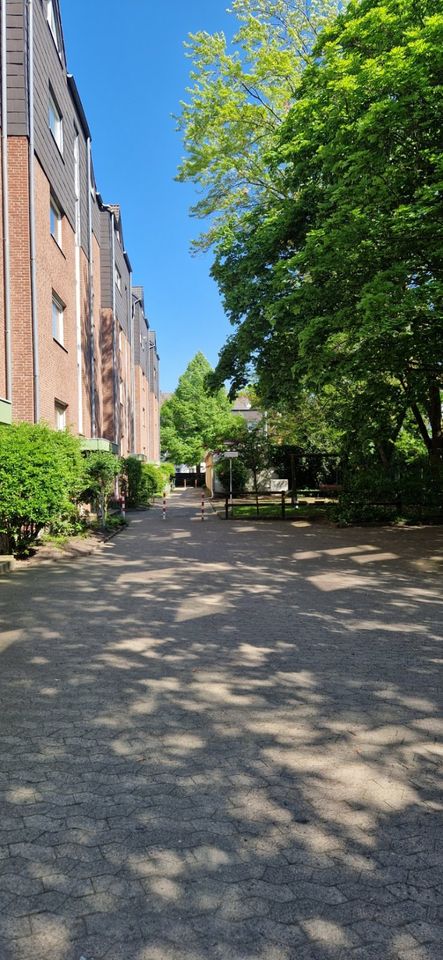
132	468
101	469
372	494
40	476
239	475
69	524
156	477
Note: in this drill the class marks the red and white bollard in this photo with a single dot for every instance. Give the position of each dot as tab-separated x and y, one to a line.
203	506
164	506
123	504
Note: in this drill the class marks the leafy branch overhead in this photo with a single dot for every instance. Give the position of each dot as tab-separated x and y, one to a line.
331	268
240	92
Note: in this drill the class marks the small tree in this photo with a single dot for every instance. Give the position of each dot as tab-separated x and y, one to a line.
255	452
101	470
239	474
195	420
40	476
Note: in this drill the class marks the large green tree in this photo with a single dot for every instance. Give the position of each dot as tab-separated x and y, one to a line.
340	282
194	420
240	92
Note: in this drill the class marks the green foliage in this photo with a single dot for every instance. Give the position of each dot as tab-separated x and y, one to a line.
68	524
195	420
337	283
101	469
371	494
239	94
132	468
239	475
40	474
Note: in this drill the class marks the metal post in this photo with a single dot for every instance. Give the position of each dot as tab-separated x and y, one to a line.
164	506
230	487
227	508
203	506
283	505
123	503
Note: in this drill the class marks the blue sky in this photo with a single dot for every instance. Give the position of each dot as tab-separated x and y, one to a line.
128	60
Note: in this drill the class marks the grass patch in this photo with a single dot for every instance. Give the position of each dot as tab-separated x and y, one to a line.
272	511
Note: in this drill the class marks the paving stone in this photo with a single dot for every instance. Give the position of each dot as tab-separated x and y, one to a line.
238	762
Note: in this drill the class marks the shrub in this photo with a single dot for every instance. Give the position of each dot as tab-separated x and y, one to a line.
156	477
372	494
40	476
101	469
239	475
132	469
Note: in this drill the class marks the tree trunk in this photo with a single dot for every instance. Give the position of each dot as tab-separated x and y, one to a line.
432	436
256	491
435	418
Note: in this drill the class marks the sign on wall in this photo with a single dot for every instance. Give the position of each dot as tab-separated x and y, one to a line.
279	486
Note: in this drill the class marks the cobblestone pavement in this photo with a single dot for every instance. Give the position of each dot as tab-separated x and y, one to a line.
219	741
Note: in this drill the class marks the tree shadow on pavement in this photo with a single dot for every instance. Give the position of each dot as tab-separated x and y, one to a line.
220	742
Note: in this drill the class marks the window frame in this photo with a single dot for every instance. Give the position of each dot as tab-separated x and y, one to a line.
58	327
118	279
56	128
60	415
54	210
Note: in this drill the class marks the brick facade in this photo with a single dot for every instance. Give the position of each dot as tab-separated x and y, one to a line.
91	369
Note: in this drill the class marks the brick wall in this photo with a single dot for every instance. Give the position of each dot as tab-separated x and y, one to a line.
21	314
55	273
2	294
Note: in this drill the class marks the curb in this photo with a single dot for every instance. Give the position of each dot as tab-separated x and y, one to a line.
7	563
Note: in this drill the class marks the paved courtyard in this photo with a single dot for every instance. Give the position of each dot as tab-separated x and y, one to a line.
220	741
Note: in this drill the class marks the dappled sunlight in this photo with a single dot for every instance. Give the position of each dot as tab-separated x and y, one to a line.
234	735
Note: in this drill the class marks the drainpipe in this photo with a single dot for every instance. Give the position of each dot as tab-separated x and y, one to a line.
5	184
32	241
114	337
78	311
131	321
91	294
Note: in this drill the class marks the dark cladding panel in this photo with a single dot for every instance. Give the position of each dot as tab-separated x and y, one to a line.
17	68
50	79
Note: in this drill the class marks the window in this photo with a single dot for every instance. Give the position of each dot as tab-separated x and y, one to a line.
118	279
52	22
76	165
58	316
55	122
60	415
55	222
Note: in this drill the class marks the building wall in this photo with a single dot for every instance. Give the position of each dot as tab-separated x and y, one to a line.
50	75
17	41
2	298
66	371
20	280
55	274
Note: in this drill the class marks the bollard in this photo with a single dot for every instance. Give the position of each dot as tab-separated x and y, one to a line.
164	505
203	506
123	504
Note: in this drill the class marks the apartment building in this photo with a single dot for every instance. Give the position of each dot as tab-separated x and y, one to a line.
146	373
67	349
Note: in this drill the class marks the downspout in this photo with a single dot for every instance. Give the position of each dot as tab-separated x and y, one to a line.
32	241
114	336
78	311
131	322
5	186
91	294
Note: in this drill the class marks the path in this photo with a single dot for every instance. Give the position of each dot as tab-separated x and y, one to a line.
219	741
